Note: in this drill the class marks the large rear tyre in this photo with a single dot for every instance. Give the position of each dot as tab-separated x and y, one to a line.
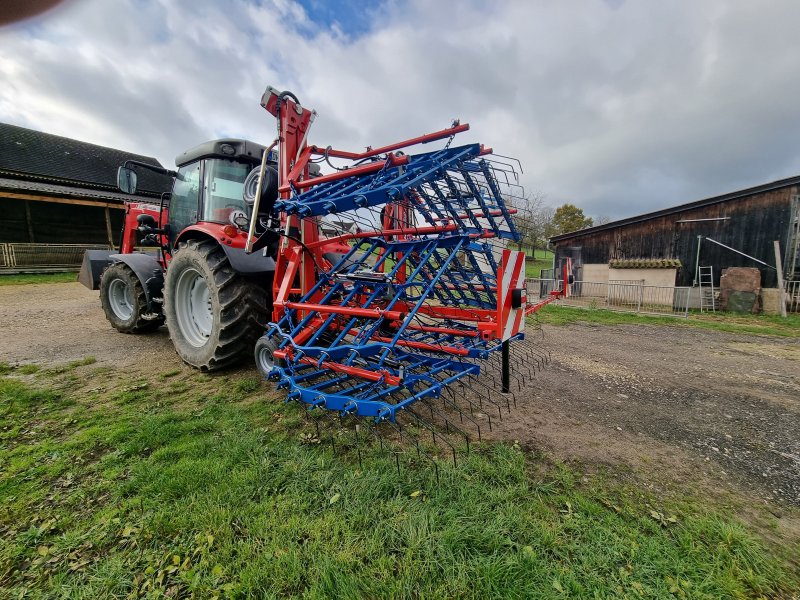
124	301
214	315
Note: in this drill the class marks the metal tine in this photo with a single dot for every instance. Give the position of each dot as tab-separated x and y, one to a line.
448	425
515	361
356	427
489	390
485	397
462	386
544	355
467	390
498	365
425	424
514	373
325	414
457	408
532	357
420	452
377	431
482	397
454	403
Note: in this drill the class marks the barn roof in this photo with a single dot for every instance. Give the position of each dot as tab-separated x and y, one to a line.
759	189
35	156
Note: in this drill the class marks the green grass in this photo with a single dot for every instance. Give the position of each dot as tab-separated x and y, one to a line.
743	324
212	486
538	260
27	278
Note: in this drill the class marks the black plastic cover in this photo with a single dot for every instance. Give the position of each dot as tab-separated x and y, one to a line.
517	297
234	149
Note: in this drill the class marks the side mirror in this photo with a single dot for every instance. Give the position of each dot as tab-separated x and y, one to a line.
126	180
145	220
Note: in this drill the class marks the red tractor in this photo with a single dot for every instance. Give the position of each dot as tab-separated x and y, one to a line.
214	296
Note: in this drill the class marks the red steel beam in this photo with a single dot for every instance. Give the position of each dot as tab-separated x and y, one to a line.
443	330
385	233
422	139
475	213
392	161
352	311
459	314
340	368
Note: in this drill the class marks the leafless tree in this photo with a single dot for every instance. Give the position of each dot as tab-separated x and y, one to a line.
533	220
602	220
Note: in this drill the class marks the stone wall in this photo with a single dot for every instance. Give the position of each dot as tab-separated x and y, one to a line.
659	277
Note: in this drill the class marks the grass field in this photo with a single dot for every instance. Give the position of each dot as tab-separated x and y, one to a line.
538	260
26	278
732	323
178	484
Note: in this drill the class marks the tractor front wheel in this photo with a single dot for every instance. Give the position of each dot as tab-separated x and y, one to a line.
124	301
264	355
214	315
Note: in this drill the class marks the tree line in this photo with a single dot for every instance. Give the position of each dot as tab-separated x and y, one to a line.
538	221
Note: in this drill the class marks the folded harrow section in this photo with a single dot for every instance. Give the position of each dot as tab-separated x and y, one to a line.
418	290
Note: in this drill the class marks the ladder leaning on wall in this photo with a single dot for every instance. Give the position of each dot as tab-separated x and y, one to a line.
706	281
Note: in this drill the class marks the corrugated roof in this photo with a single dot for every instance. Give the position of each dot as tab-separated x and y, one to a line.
759	189
38	156
22	185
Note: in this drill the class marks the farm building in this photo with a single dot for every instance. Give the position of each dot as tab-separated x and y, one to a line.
59	196
668	247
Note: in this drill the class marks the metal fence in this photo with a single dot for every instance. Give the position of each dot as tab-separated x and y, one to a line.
792	296
43	257
633	296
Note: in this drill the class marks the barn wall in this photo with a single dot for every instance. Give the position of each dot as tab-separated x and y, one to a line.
13	225
55	223
754	223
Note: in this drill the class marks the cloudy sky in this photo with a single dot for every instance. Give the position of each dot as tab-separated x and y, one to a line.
620	107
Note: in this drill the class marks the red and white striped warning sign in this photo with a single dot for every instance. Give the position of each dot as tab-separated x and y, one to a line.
510	277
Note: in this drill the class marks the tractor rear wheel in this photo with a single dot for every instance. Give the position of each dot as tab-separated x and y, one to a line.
124	301
214	315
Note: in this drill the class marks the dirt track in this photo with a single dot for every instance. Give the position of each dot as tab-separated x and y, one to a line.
679	405
682	404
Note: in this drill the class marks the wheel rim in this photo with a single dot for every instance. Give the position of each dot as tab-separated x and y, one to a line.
193	307
120	298
265	361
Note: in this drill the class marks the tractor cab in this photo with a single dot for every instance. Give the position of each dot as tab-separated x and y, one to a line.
215	183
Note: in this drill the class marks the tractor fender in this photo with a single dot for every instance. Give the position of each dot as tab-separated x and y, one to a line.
247	264
150	273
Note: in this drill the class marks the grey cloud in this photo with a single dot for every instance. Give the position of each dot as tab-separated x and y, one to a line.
617	107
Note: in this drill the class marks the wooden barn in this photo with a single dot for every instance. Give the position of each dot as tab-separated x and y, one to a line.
720	232
58	196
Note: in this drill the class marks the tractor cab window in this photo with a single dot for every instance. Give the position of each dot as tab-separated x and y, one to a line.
223	187
183	204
